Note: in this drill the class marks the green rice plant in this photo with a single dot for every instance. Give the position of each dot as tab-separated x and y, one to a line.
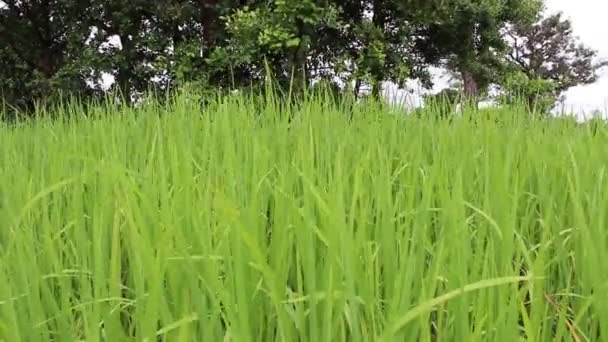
254	219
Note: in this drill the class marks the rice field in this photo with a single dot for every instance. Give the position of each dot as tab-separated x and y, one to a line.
326	222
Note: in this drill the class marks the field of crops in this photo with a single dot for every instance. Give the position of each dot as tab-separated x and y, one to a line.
321	223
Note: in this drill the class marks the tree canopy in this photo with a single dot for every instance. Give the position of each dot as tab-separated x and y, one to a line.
546	59
56	48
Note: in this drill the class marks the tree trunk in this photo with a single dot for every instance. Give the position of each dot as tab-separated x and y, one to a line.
471	88
376	89
357	88
379	20
125	72
297	62
45	65
212	25
299	66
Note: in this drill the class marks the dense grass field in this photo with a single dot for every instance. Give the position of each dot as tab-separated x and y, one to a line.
317	223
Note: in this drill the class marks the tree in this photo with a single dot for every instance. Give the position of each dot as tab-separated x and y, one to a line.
278	34
64	46
44	50
191	29
54	47
354	41
389	52
537	94
465	37
157	41
547	59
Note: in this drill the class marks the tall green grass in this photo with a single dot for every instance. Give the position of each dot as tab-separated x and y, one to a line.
325	222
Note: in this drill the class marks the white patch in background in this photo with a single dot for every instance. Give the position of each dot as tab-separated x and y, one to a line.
590	25
107	80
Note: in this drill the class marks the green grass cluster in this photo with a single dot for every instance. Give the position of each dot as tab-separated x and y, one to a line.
321	222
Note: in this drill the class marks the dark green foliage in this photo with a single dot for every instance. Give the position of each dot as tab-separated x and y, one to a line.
43	50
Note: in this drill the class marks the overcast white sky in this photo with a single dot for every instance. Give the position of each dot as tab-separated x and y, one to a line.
590	24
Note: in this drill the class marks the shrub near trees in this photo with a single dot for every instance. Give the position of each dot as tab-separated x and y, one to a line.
50	49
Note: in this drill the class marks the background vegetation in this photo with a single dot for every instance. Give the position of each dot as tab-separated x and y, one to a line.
54	49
